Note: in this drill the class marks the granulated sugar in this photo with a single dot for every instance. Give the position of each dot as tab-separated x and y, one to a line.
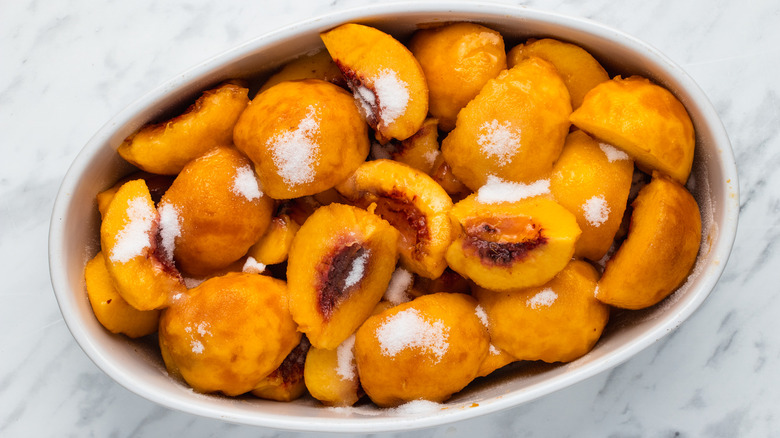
366	100
408	329
345	359
497	190
197	347
400	282
431	156
417	407
392	94
357	271
135	237
192	283
483	318
245	184
493	350
613	153
252	266
296	152
498	140
546	297
596	210
170	229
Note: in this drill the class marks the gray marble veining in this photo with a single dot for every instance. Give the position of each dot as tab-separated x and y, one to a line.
67	67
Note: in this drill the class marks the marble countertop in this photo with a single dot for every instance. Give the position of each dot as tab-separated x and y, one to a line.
67	67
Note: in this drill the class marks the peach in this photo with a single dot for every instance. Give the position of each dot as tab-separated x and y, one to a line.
496	358
213	212
592	181
229	333
274	246
338	268
331	375
286	382
419	151
413	203
426	349
660	250
142	275
511	245
111	310
157	185
309	66
165	147
458	59
643	119
442	174
557	322
386	79
579	69
303	136
513	129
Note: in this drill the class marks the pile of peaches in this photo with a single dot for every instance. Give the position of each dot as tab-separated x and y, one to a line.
395	220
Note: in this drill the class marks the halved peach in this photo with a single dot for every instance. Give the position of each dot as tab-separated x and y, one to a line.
229	333
413	203
442	174
556	322
317	65
643	119
144	277
592	181
157	185
511	245
496	358
165	148
660	250
426	349
274	246
457	58
579	69
213	212
386	79
419	151
513	129
110	309
339	266
303	136
286	382
331	375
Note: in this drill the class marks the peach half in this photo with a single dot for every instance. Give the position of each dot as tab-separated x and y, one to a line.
419	151
286	382
331	375
643	119
592	180
303	136
143	276
425	349
511	245
339	266
514	128
413	203
556	322
457	59
164	148
579	69
660	250
229	333
213	212
386	79
310	66
274	246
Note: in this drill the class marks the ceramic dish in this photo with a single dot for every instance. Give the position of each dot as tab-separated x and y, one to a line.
137	366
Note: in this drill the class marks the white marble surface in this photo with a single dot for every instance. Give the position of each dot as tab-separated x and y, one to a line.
66	67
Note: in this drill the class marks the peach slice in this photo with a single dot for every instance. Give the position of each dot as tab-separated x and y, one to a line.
419	151
303	136
511	245
592	181
286	382
274	246
165	148
331	375
128	237
579	69
111	310
339	266
513	129
425	349
660	250
442	174
643	119
457	59
157	185
556	322
309	66
229	333
386	79
413	203
213	212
